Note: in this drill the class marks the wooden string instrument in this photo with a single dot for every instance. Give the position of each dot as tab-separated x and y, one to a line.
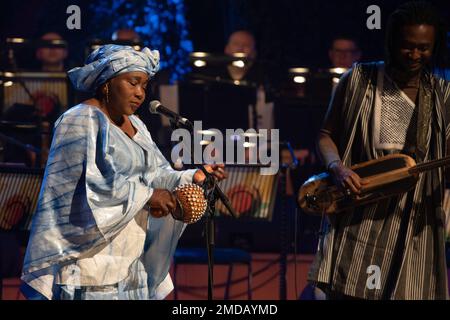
386	176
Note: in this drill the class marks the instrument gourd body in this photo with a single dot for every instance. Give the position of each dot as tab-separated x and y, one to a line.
386	176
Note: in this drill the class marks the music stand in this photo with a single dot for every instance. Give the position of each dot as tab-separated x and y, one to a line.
49	83
252	195
18	200
21	95
212	94
219	105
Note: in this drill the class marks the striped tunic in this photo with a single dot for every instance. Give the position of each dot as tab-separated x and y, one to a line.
402	237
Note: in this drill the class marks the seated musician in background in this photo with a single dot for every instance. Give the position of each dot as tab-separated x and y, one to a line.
344	52
52	59
405	110
104	225
43	110
126	35
242	42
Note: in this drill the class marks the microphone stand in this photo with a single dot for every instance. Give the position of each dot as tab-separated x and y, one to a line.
212	193
284	219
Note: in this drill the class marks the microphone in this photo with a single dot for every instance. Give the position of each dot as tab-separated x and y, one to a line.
157	107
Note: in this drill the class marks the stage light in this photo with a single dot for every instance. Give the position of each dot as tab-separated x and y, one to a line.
55	42
15	40
199	58
199	63
238	63
299	74
199	54
338	70
299	79
298	70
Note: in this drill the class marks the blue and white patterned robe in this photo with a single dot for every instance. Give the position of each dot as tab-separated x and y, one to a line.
91	208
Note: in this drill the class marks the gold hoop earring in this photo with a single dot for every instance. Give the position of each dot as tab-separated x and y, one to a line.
107	93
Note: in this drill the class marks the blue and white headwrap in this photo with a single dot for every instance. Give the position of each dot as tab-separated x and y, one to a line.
109	61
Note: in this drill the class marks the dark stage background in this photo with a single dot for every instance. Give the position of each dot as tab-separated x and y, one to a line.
288	34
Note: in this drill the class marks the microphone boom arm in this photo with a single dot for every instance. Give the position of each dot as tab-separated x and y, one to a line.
181	122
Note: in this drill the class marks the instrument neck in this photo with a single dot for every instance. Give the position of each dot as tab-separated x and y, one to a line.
429	165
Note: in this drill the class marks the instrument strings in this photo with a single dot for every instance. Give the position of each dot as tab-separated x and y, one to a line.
430	165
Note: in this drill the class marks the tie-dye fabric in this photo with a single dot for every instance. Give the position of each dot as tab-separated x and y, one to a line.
109	61
91	220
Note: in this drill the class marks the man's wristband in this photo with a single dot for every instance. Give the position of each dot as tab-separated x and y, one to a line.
334	161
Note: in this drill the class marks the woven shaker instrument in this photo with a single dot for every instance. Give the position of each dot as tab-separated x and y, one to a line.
192	203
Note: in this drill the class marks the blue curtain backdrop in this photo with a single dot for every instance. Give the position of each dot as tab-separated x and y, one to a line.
161	24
